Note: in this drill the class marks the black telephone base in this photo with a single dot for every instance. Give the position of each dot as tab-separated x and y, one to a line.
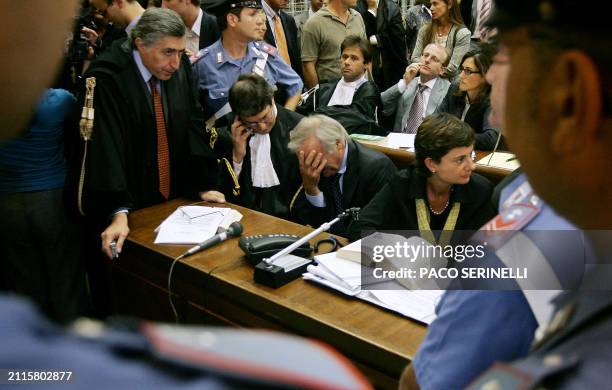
274	276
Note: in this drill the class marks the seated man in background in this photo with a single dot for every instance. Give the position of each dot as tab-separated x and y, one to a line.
352	100
414	98
257	169
337	172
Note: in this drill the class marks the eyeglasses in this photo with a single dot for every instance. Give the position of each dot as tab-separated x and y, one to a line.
263	121
468	72
192	217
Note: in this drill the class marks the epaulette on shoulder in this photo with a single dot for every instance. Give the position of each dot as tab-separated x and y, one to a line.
201	54
266	47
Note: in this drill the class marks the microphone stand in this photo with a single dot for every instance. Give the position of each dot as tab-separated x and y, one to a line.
283	267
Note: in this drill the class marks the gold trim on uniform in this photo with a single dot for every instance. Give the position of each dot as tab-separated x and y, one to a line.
295	197
230	169
425	229
86	129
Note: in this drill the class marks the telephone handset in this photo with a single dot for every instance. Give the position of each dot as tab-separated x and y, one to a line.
260	246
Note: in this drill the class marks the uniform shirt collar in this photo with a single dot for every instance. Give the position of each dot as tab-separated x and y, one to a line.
221	56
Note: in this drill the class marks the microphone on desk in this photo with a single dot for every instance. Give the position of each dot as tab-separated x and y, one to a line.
234	230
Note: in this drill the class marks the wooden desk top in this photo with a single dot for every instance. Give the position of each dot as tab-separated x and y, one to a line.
367	334
402	158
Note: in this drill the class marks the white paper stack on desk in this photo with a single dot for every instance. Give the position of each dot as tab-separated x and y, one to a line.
346	276
194	224
502	160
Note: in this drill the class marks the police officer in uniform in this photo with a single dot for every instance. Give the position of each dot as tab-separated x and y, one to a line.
132	354
219	65
475	328
562	138
479	324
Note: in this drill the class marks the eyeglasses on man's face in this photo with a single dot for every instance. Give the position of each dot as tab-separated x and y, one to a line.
263	120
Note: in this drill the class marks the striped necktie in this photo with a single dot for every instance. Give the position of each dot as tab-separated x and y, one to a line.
483	14
163	153
415	116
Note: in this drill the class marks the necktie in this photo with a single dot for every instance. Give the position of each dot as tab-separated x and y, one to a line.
281	41
337	206
483	14
415	116
163	153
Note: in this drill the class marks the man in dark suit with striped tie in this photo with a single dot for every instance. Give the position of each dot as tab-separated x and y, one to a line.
148	143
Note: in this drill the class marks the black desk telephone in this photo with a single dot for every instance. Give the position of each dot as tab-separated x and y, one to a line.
261	246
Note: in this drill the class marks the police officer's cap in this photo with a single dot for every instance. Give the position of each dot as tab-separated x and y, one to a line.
222	7
559	14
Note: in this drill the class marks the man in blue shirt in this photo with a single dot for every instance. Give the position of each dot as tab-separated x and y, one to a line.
219	65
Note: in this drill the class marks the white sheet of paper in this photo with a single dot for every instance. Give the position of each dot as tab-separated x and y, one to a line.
400	141
346	270
417	304
500	160
345	276
191	224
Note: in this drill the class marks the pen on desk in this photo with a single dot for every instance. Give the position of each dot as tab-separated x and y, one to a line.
511	159
113	248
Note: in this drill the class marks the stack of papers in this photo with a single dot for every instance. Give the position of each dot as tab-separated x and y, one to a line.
501	160
367	137
346	276
401	141
194	224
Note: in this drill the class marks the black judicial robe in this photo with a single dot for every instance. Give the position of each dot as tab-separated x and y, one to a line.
357	117
121	166
367	171
394	208
365	100
273	200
